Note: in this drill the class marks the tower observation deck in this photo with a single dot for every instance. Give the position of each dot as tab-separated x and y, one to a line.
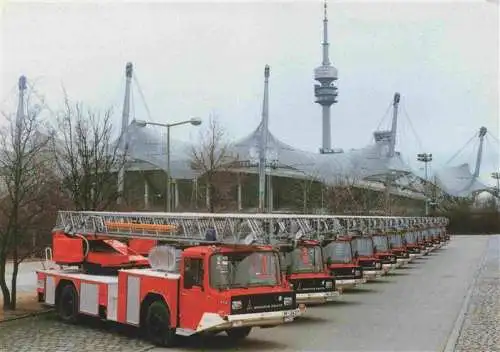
326	92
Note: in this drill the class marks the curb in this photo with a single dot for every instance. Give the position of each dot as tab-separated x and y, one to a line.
454	335
27	315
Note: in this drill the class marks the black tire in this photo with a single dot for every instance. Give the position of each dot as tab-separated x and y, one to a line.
67	305
157	325
237	334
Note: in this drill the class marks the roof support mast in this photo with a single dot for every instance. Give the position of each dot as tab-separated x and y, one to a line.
392	149
482	133
263	141
123	135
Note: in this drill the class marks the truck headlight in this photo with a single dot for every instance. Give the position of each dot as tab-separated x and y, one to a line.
329	284
357	273
235	305
287	301
378	265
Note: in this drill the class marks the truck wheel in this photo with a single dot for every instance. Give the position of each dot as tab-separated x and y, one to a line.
67	307
157	325
238	333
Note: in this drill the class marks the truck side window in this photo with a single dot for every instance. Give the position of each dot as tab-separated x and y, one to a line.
193	270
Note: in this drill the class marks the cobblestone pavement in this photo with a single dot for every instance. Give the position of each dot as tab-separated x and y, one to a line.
411	310
47	334
481	327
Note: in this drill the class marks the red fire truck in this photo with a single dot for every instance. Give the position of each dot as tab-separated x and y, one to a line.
202	285
304	270
383	251
397	242
413	247
341	262
302	258
364	254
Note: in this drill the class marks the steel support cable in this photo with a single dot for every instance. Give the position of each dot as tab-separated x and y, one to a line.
495	152
496	149
385	114
136	81
405	113
382	119
493	136
461	149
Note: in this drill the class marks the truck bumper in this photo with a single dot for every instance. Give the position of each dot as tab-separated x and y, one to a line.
317	297
402	262
349	283
372	274
215	322
388	267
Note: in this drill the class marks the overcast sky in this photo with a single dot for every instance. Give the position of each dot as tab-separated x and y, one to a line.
197	59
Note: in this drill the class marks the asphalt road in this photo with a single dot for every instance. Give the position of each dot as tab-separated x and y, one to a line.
413	310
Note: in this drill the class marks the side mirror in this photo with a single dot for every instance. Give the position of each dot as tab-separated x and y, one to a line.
356	254
374	249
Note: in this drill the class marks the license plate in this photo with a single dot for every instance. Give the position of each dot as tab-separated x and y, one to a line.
288	319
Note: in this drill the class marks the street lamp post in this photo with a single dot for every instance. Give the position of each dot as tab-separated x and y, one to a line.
425	158
496	176
195	121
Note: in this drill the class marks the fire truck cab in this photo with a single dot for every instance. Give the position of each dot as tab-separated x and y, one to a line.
364	255
306	273
412	245
192	289
340	261
397	242
383	252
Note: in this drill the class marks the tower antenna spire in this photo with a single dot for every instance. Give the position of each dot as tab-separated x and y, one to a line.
326	59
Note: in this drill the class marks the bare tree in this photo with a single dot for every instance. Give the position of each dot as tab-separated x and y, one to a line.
340	195
29	196
86	156
306	188
212	159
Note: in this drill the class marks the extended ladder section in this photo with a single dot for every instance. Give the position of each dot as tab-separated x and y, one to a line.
169	227
234	228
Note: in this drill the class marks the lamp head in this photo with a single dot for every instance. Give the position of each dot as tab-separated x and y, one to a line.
195	121
139	123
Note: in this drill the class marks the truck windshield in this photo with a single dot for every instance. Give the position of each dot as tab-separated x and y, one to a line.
381	242
364	246
244	269
396	240
338	252
306	259
410	237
